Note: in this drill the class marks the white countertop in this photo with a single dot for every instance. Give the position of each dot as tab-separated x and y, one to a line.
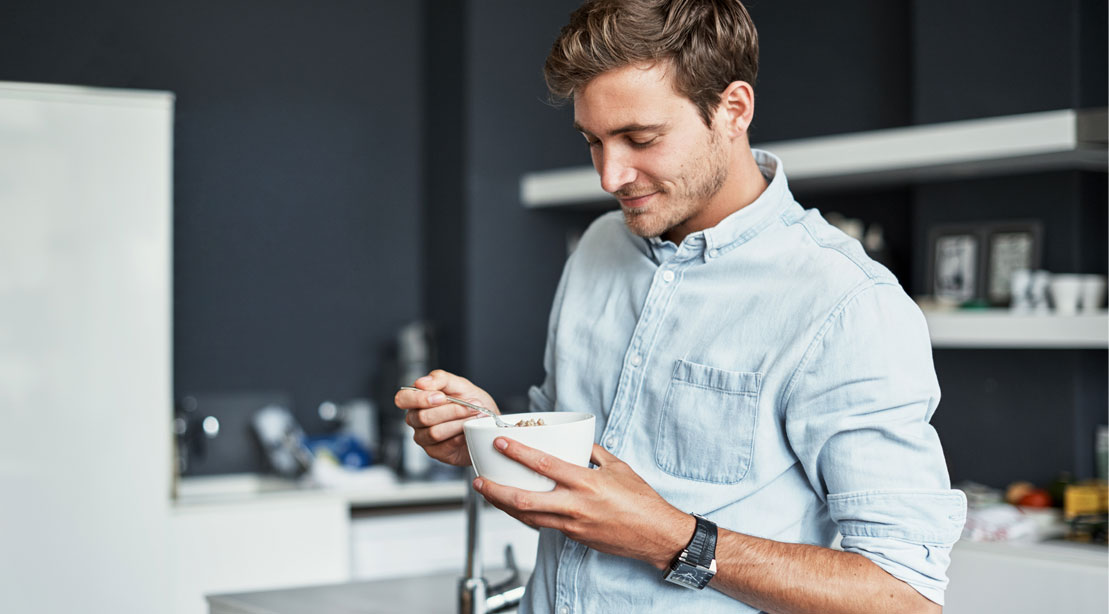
377	487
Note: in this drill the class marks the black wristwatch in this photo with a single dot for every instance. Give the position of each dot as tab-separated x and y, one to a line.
696	564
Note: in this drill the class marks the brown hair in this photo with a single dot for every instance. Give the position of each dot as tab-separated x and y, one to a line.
710	43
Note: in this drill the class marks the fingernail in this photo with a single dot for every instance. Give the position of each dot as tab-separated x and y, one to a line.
437	397
501	443
478	483
424	380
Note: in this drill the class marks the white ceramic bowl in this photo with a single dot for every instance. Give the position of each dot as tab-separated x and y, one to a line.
564	434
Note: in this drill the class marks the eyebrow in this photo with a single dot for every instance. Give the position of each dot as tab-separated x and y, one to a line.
624	129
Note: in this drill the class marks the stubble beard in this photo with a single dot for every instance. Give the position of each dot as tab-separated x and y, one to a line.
709	172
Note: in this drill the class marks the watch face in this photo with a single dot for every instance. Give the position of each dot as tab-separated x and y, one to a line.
688	575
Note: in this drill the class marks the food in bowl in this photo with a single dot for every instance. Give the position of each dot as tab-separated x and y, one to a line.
563	434
530	422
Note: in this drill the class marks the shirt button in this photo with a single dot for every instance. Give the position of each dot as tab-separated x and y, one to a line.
636	360
610	443
668	276
564	610
713	253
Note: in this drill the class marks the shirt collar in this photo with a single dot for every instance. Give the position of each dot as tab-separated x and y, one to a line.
739	226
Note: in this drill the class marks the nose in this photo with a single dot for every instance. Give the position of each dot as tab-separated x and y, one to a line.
614	169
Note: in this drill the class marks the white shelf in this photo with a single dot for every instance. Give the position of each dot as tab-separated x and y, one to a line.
1049	140
1000	328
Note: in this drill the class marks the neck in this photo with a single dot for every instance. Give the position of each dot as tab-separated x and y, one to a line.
743	186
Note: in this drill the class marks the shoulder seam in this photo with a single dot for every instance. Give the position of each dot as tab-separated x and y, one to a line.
869	272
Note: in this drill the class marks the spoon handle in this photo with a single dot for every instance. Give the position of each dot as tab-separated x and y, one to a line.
488	412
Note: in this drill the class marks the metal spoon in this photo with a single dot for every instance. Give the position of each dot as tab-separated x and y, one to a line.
488	412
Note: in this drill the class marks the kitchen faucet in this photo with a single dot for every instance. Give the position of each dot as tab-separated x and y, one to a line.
475	596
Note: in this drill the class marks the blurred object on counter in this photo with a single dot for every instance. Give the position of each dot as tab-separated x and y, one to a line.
356	418
326	473
1017	490
412	357
415	355
1024	514
1004	522
341	448
1091	529
979	495
1058	487
283	440
1087	498
214	435
1026	494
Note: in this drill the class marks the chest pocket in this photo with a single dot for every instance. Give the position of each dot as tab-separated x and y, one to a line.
707	424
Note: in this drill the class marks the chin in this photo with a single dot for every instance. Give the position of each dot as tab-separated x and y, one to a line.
638	224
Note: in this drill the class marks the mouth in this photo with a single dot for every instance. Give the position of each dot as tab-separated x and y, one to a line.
635	202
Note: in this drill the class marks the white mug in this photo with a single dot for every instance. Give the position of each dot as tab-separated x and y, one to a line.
1092	292
1066	293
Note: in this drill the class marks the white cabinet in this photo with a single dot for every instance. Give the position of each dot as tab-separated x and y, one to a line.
269	542
388	545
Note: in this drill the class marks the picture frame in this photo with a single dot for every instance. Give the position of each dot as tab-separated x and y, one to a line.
1010	246
955	264
975	262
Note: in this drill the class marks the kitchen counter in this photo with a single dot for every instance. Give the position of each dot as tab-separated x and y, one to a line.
431	594
373	488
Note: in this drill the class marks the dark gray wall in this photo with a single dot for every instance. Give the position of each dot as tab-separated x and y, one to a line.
343	168
296	179
514	255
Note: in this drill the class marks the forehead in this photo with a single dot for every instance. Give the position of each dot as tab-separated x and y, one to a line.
641	94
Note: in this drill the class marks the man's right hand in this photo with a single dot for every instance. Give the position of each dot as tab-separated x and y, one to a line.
438	423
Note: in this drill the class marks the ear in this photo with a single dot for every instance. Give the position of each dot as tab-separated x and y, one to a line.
737	108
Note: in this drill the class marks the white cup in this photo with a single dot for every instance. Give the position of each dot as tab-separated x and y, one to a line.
1020	284
1093	292
1066	292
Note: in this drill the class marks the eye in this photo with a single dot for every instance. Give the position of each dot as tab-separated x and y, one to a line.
642	143
593	143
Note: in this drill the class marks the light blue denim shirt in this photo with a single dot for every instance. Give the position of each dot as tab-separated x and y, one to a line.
766	374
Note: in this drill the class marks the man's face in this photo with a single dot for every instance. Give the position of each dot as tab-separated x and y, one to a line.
651	149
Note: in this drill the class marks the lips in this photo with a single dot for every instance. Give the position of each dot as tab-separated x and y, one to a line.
634	202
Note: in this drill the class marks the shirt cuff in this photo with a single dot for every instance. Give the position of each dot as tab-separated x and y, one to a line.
908	533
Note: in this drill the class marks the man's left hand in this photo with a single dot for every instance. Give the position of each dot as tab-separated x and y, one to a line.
610	508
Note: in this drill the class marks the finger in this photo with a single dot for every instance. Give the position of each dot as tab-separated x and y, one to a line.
424	418
515	501
445	446
538	461
601	456
449	383
438	433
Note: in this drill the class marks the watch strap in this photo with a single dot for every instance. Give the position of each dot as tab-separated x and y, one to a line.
702	547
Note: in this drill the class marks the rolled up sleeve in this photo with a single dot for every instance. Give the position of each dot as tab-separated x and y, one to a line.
857	417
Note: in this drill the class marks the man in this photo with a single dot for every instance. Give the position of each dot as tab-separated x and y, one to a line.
746	361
